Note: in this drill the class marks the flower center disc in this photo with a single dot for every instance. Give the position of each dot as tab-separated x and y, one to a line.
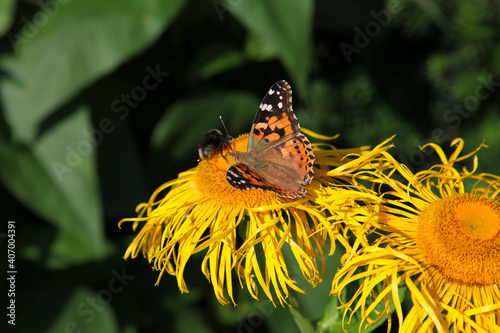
460	236
212	183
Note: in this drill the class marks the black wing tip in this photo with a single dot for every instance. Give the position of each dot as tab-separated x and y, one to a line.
282	84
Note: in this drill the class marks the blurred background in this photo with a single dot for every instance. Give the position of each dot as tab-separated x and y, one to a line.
103	101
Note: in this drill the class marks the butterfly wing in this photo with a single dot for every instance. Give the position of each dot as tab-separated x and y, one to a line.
275	119
282	169
279	158
296	156
243	178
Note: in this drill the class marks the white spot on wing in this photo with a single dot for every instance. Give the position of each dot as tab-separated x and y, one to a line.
270	92
280	105
269	107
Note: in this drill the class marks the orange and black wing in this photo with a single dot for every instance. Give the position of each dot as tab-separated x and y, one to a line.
275	119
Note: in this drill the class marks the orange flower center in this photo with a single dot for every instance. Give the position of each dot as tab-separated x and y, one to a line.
460	236
212	183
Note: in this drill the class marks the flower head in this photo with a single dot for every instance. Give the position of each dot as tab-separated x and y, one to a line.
246	232
439	234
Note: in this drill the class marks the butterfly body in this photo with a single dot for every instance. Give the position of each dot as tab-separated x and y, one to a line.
278	158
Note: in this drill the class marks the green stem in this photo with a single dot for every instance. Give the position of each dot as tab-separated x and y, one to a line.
303	323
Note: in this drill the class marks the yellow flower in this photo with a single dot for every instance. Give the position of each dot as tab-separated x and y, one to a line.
439	234
246	232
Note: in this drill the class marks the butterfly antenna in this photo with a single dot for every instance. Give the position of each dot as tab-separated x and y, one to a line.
225	128
228	140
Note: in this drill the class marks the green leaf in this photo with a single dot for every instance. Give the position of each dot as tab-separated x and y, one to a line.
56	178
285	24
6	15
253	315
80	42
259	49
81	313
300	318
280	320
332	318
216	58
315	300
332	321
178	129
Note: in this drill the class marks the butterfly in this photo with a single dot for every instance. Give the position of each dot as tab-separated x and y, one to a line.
278	158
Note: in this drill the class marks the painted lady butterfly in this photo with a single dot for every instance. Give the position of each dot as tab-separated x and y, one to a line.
279	158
